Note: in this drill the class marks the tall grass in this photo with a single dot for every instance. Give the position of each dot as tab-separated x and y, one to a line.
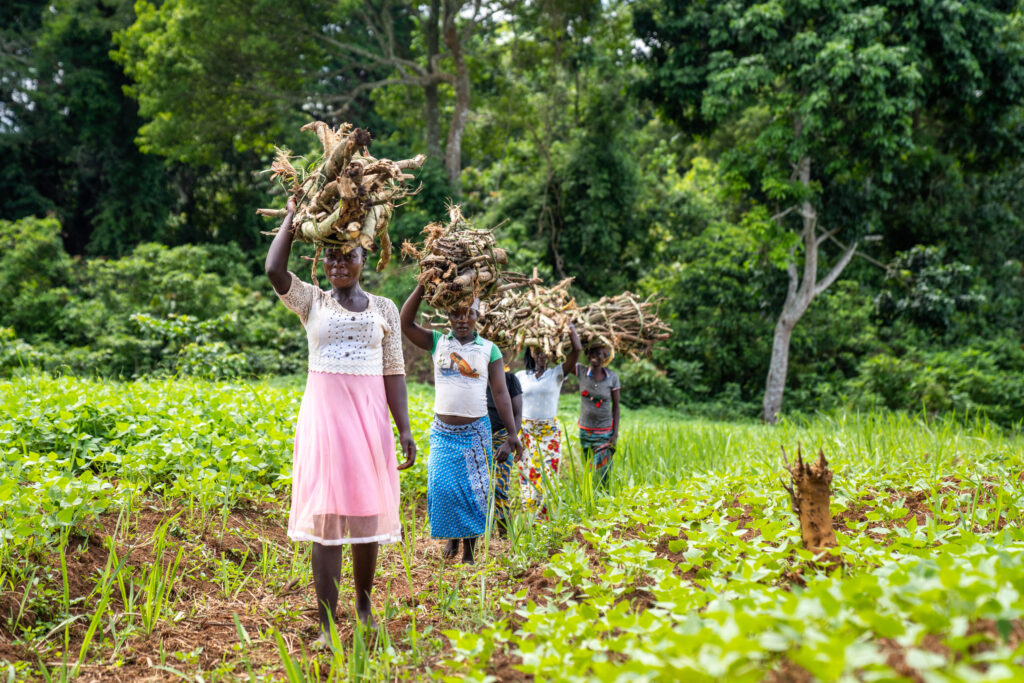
126	443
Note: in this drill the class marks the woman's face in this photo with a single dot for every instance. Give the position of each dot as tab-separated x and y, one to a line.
540	361
463	321
598	356
343	270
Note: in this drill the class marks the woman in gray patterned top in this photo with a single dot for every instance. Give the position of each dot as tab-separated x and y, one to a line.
599	411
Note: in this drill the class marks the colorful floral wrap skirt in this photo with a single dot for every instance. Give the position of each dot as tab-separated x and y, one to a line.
542	451
502	477
458	478
598	451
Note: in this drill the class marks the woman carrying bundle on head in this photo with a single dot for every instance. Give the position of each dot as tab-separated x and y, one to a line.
344	477
599	411
542	434
458	468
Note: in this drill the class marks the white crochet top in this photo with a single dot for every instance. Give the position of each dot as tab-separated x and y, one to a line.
344	342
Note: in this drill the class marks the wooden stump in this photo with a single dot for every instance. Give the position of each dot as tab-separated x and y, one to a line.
810	494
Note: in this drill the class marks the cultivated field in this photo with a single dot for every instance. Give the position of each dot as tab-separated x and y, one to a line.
142	538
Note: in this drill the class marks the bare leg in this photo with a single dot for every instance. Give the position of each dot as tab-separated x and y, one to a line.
467	550
326	574
451	548
364	566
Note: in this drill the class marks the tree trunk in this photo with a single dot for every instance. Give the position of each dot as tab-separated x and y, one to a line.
460	116
777	369
430	109
801	292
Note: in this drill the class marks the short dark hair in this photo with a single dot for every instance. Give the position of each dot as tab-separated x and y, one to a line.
528	362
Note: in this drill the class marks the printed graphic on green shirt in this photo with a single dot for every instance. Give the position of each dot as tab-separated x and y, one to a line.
461	374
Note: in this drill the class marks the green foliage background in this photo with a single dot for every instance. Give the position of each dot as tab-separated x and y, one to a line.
607	143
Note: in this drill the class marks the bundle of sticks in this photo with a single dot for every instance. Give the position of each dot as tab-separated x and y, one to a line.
459	263
348	197
534	317
624	323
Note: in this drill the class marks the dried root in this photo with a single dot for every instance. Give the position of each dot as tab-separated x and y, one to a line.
810	494
534	317
459	263
624	323
347	200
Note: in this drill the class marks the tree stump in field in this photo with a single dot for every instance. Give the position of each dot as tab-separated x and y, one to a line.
810	494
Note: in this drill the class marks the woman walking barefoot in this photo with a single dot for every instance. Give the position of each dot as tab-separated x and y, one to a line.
458	468
542	434
599	412
344	477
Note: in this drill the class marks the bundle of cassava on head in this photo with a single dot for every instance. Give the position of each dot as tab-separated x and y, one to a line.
348	198
624	323
534	317
459	263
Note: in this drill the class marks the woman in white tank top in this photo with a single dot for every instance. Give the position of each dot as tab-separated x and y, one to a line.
542	434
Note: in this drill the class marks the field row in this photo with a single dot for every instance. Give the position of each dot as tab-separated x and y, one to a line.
143	537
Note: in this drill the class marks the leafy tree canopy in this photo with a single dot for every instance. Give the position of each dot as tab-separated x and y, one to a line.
853	86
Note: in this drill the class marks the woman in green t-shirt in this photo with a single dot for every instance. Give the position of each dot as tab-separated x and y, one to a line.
458	466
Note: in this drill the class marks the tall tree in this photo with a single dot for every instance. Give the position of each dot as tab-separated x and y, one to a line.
564	131
846	90
66	127
210	75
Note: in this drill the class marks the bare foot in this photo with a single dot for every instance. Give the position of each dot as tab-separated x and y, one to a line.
320	643
467	550
366	618
451	548
364	612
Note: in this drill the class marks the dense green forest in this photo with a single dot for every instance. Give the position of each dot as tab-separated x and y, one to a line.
828	195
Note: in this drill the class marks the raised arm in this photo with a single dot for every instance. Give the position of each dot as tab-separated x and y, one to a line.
496	380
569	366
276	265
417	334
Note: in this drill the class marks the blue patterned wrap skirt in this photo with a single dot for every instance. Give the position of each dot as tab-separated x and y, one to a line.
458	478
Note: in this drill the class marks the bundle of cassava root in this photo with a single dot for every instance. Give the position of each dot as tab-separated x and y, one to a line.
534	317
348	198
459	263
624	323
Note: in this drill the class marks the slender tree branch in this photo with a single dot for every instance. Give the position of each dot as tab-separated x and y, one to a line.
373	23
388	60
389	27
826	235
837	269
467	30
782	214
870	259
344	101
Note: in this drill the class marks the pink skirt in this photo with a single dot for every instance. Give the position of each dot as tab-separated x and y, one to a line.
344	473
